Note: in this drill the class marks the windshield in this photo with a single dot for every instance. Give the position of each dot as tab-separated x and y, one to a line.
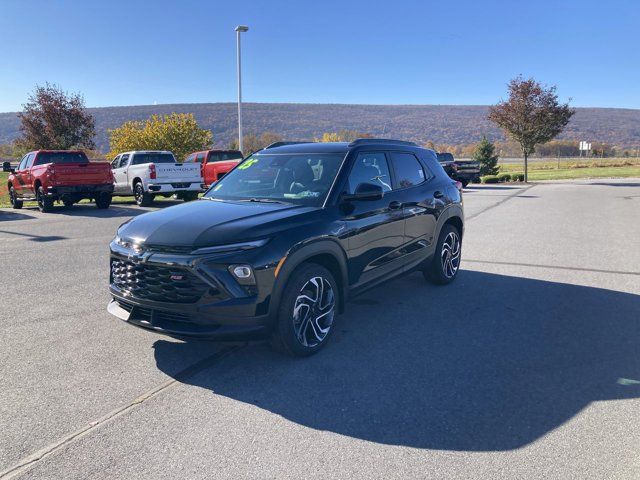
61	157
142	158
302	179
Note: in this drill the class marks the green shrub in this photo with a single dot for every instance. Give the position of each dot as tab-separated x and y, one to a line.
489	179
517	177
504	177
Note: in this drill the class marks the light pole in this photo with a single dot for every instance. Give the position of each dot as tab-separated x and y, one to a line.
239	30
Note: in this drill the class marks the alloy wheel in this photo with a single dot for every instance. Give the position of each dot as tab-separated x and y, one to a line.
313	311
450	254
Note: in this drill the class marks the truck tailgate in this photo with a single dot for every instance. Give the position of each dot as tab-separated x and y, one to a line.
92	173
178	173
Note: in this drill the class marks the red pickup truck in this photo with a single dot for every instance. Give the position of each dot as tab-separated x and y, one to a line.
215	164
62	175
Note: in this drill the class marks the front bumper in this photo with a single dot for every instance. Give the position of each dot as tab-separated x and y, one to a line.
188	295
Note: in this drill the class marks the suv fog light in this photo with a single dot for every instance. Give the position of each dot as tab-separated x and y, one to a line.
243	274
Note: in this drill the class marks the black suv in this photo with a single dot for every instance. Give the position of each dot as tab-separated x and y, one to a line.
277	246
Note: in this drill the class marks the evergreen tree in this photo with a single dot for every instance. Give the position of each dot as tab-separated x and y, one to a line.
485	154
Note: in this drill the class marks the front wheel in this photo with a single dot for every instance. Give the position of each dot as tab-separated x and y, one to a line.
307	311
143	199
445	264
45	204
103	200
13	199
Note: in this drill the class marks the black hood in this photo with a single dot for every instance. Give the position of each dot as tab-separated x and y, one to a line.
207	222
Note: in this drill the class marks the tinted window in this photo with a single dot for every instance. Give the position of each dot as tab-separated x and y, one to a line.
408	170
142	158
60	157
223	156
123	161
296	178
370	168
199	158
30	158
23	163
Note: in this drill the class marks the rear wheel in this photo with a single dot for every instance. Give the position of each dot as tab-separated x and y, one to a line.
45	204
188	196
143	199
307	311
445	264
13	199
103	200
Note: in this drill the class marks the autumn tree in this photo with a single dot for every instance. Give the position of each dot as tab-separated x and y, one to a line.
531	115
54	119
342	136
252	142
485	153
177	132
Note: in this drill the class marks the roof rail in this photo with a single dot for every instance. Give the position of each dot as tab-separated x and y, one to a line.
281	144
376	141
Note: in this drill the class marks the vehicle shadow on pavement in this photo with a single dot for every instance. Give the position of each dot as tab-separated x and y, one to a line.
489	363
8	215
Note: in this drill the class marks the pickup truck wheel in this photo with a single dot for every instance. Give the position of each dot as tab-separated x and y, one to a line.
445	264
189	196
103	200
68	202
143	199
306	312
15	203
45	204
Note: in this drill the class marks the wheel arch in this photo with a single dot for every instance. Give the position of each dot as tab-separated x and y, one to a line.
454	216
327	253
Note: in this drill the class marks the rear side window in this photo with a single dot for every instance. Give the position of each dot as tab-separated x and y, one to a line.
142	158
408	170
370	167
60	157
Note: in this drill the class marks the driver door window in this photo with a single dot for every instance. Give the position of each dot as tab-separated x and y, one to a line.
370	168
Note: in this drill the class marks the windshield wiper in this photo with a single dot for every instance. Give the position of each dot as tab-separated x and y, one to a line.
264	200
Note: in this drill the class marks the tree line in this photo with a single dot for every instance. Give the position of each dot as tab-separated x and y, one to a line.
531	118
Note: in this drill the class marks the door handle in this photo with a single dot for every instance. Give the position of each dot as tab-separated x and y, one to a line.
438	194
395	205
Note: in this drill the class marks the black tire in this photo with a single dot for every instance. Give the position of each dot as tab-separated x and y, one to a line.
68	203
103	200
45	204
464	183
15	203
297	336
445	264
188	196
143	199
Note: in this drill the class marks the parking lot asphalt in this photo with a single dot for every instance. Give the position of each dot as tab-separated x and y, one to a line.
528	366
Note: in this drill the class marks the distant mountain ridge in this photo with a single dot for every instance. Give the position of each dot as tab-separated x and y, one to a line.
451	124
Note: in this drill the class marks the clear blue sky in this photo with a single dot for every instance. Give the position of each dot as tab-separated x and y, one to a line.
138	52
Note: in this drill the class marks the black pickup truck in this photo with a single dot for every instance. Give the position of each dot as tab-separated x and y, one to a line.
464	171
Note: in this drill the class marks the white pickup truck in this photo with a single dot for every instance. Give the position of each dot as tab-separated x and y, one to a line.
146	173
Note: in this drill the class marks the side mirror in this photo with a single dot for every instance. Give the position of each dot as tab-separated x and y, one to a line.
365	191
6	167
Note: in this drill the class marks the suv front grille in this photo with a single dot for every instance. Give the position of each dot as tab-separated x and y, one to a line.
160	284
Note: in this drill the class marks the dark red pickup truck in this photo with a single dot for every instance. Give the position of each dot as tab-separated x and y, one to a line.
62	175
215	164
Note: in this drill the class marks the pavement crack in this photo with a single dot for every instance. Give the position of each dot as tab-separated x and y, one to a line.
31	460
